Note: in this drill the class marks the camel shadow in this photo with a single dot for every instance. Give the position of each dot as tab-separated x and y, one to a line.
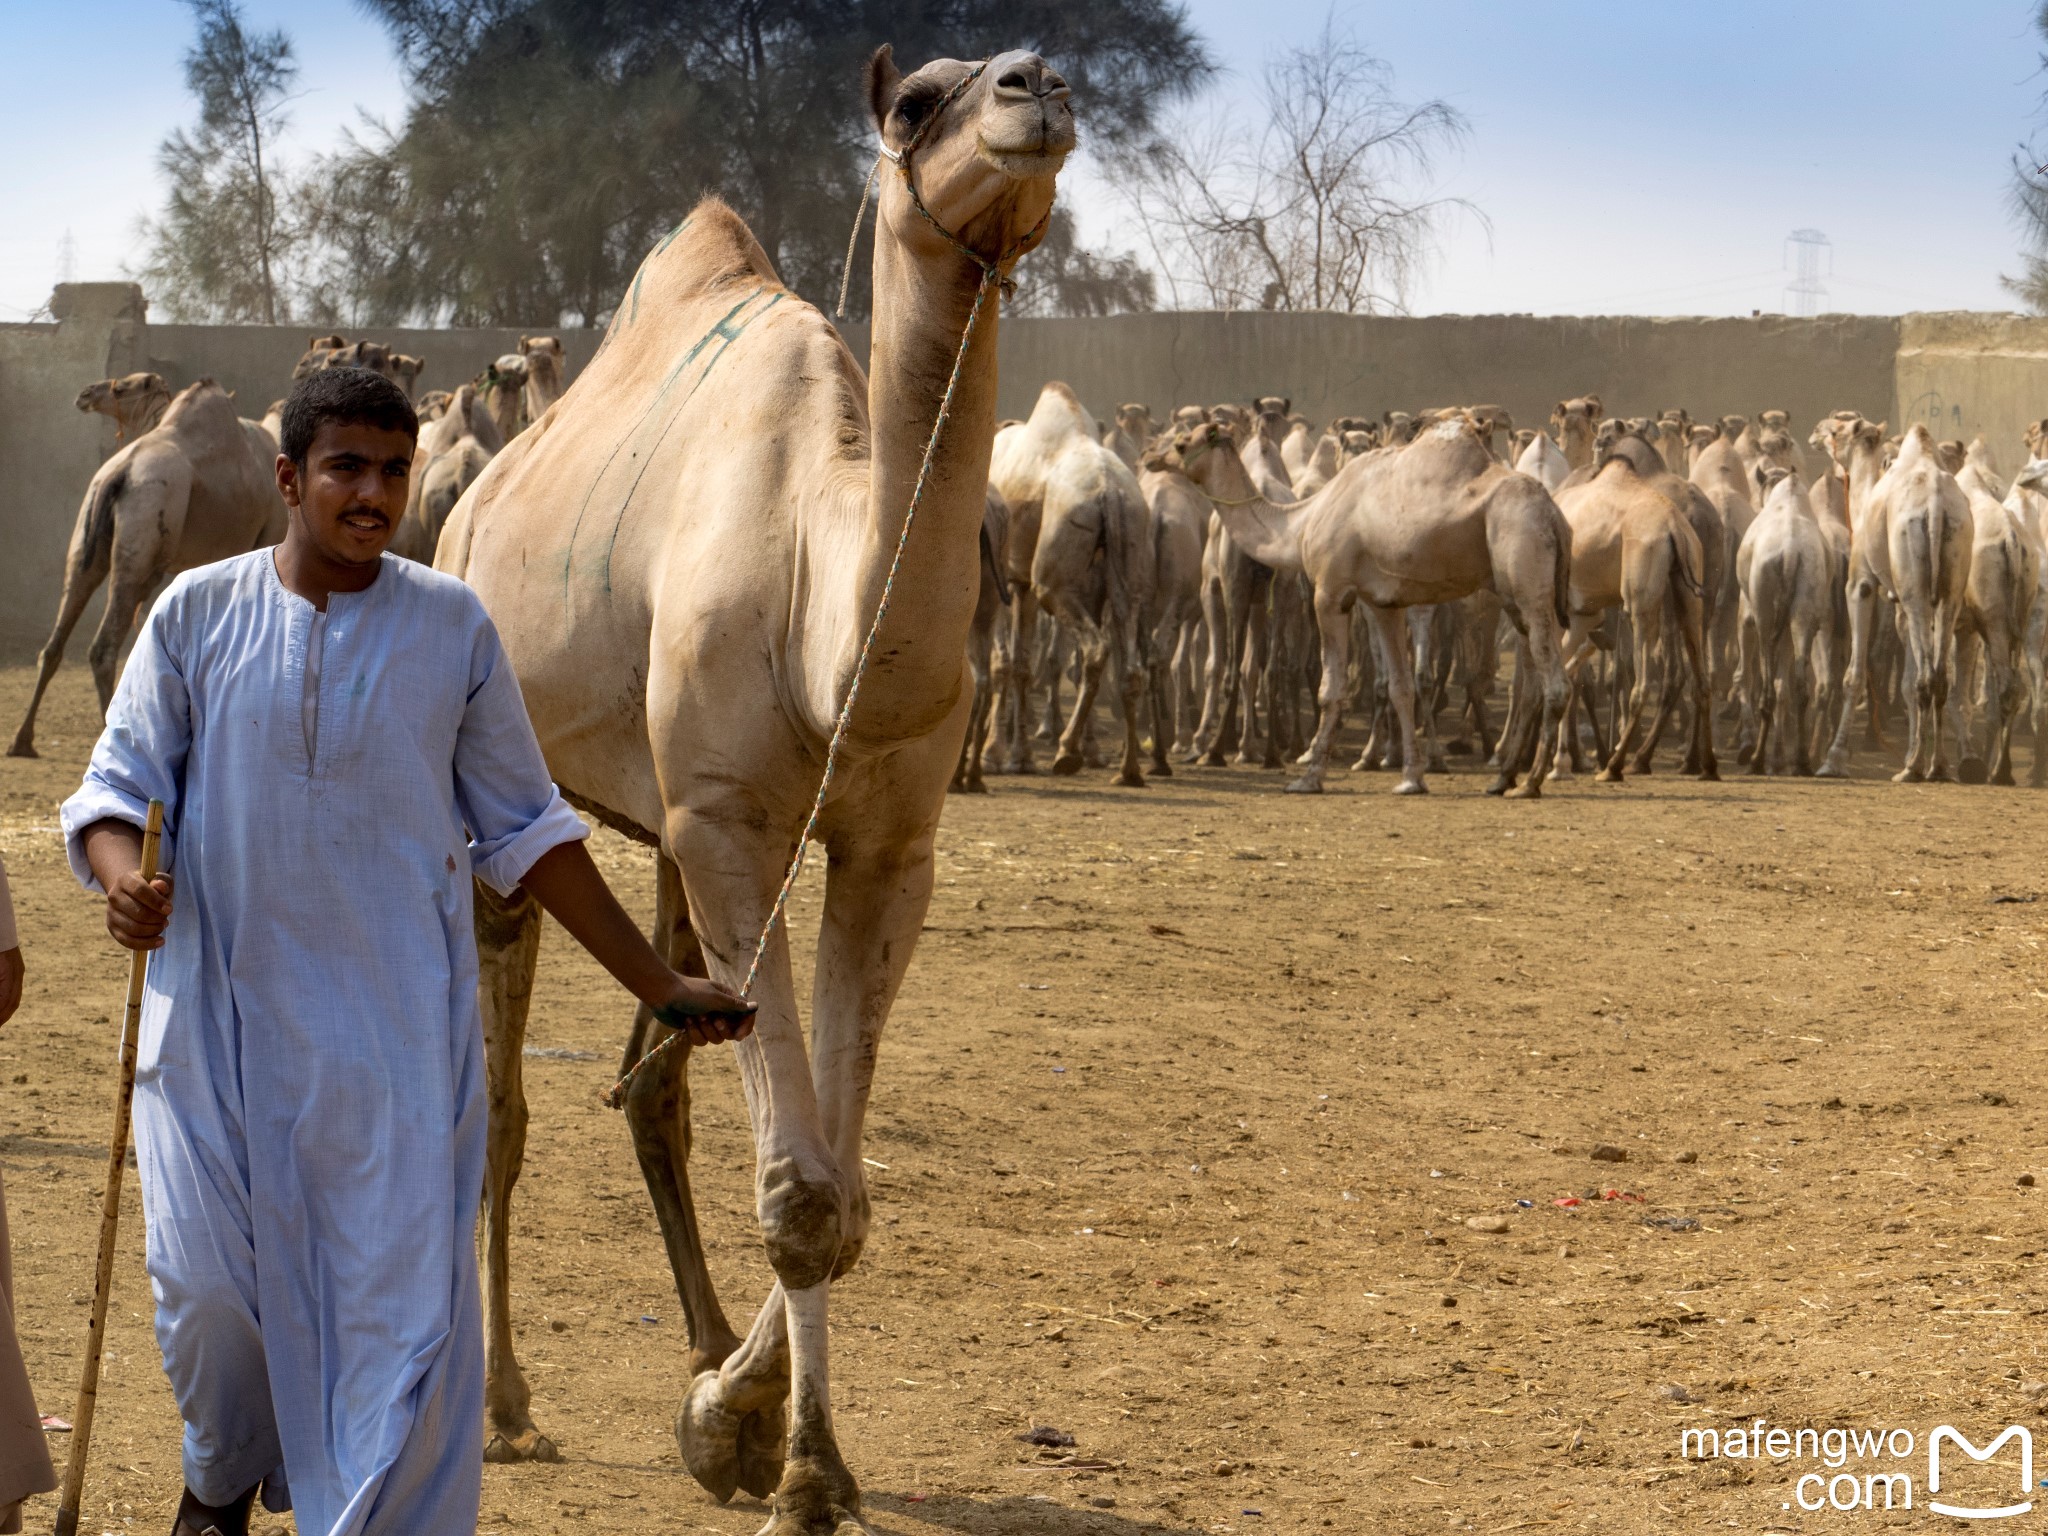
890	1514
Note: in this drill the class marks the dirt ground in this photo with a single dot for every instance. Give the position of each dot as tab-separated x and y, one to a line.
1188	1104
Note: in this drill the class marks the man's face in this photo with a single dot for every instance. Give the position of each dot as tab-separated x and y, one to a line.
348	498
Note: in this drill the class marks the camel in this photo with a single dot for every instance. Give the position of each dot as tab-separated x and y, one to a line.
1780	422
1634	547
1674	439
1494	426
502	389
1913	532
1998	613
1721	474
1397	429
135	402
990	605
547	374
1131	435
1298	448
1786	575
405	372
682	576
1079	510
1180	527
1574	422
448	460
2025	501
1238	602
1431	523
318	350
193	489
1541	459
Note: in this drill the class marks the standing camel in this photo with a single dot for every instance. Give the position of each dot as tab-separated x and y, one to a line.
991	607
1575	421
683	567
1911	543
1433	522
1786	576
1180	526
1079	510
193	489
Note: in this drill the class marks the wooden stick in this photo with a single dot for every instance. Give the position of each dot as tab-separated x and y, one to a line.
110	1210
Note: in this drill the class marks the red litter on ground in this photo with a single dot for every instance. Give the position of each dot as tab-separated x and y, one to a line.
1619	1194
1569	1202
52	1422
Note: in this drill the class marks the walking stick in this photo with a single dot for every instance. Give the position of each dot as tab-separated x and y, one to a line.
110	1210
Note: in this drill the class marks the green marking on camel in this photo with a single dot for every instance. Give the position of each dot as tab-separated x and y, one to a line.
640	277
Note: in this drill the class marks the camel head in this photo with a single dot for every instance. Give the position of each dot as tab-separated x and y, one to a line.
406	371
1491	419
1195	453
1136	422
2034	477
1187	416
1401	428
319	349
1948	453
135	401
2036	438
1610	431
1774	421
432	405
1674	419
1524	436
1270	411
1577	414
1235	420
1359	441
1732	427
980	145
543	356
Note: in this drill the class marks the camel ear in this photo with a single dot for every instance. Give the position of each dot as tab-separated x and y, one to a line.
880	78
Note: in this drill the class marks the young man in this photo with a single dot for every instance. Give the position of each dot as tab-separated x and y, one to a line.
340	746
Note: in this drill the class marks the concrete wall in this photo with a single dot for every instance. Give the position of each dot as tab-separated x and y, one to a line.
1962	373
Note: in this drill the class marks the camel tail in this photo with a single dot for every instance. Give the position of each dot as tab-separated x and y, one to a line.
96	523
1117	558
1682	571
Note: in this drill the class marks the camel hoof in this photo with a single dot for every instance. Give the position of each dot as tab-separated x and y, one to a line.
23	748
1162	769
1066	765
764	1434
2004	779
1830	770
1411	787
1531	790
1941	773
1131	780
1499	786
1908	776
971	787
1973	770
528	1444
1608	776
708	1434
1307	784
1710	774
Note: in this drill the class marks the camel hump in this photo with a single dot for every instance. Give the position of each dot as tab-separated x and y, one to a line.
712	248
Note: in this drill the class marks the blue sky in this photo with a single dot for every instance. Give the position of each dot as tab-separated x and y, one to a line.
1648	159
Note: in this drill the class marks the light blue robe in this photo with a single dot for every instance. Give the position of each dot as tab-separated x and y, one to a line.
310	1101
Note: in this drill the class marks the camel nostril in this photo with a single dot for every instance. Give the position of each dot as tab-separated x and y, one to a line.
1018	80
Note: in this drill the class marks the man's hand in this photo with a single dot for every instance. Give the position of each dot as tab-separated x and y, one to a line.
704	1013
137	910
10	982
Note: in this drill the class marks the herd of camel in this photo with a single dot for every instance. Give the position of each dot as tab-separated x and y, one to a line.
191	481
1234	561
693	553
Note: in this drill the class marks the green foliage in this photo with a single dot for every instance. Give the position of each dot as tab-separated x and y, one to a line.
552	141
220	247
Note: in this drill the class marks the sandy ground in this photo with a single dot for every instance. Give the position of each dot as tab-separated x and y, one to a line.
1187	1107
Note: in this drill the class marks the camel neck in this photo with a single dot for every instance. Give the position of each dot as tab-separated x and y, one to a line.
923	300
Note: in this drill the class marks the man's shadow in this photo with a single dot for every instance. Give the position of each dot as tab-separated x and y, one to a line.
891	1514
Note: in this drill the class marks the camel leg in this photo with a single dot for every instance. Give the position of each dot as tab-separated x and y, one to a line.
1541	656
802	1197
1252	669
1391	626
967	778
1159	700
1188	671
1646	627
508	945
1422	630
1092	645
1022	658
1051	660
2005	693
1333	626
1940	649
81	580
1132	659
1862	601
1917	691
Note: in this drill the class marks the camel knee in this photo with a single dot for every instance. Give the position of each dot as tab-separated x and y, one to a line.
803	1224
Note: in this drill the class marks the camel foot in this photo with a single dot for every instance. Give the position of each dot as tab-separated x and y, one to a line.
1941	773
23	747
527	1444
1532	789
2003	778
1908	775
1641	768
727	1451
1756	767
1831	769
1411	787
971	787
1130	778
1743	752
1066	765
817	1497
1561	774
1973	770
1162	769
1711	774
1307	784
1608	776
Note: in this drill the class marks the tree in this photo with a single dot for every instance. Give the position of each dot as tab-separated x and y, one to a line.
1319	211
551	142
220	247
1060	278
2030	205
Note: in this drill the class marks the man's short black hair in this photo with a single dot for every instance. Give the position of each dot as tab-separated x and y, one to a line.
349	395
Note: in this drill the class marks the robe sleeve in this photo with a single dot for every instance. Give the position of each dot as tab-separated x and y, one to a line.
141	754
512	809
